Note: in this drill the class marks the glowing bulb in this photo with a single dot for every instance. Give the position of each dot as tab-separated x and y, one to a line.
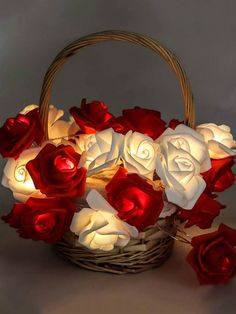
63	163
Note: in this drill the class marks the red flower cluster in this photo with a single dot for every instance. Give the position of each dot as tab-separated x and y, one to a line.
140	120
42	219
135	199
213	256
94	116
55	171
19	133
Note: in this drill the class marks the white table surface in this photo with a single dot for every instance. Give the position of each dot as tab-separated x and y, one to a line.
33	280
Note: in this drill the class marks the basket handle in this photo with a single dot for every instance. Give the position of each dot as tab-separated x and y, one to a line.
95	38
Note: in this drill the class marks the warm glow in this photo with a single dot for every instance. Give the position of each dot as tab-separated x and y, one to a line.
139	153
17	178
98	227
22	176
63	163
219	139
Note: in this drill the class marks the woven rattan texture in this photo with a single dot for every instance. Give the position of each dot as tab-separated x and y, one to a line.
139	255
91	39
151	249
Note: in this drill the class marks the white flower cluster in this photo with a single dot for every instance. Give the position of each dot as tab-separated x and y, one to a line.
178	156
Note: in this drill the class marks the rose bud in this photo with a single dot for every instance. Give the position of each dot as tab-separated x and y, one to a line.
140	120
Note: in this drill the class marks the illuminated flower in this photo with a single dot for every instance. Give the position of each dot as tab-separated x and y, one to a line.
180	172
188	140
139	153
219	139
57	129
98	226
135	199
17	178
19	133
56	172
92	117
41	219
100	150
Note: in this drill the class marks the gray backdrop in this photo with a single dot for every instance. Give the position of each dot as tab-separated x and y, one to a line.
202	33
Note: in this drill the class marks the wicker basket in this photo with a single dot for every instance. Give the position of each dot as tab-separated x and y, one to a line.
154	245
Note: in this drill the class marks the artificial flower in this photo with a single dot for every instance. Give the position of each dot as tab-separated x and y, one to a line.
187	139
213	256
55	171
145	121
100	150
139	153
220	177
58	130
17	178
41	219
219	139
98	226
135	199
91	117
19	133
180	172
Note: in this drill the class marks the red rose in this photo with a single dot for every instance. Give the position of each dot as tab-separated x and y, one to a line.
220	176
203	213
135	199
19	133
213	256
92	117
41	219
55	171
174	123
141	120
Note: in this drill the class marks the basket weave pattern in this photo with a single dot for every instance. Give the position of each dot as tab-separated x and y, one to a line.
150	250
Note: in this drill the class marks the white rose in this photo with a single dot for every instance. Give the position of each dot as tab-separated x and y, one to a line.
17	178
180	172
57	129
139	153
219	139
187	139
100	150
99	228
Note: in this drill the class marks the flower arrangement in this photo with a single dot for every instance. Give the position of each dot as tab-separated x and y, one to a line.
111	192
131	171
